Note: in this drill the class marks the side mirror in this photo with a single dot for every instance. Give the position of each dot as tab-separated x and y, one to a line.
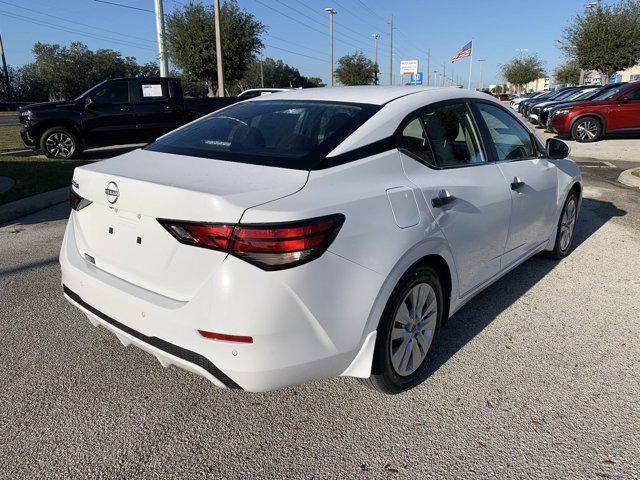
88	102
624	99
557	149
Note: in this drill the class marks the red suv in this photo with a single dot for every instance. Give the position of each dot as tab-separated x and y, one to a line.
615	110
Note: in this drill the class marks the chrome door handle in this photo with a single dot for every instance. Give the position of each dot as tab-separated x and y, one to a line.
517	184
443	198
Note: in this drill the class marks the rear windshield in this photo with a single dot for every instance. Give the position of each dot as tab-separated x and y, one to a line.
280	133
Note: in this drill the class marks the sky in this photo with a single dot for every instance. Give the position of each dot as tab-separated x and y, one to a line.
297	30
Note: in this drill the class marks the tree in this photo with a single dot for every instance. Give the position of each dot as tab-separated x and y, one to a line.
190	38
356	69
66	72
276	74
606	38
523	69
568	73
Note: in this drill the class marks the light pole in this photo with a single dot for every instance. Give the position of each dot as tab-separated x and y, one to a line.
331	13
164	66
216	20
375	49
435	77
428	64
481	62
391	50
5	70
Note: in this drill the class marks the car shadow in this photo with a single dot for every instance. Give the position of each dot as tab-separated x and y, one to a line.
482	310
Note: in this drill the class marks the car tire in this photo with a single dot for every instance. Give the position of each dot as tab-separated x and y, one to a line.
402	351
566	227
60	143
586	129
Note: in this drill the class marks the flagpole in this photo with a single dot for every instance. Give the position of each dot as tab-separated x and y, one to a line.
470	65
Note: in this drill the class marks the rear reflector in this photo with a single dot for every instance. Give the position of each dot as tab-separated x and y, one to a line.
225	338
270	246
76	202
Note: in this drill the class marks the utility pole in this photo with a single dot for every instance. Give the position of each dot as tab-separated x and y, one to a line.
481	62
331	13
7	81
375	49
261	75
444	74
435	77
216	20
428	64
162	56
391	51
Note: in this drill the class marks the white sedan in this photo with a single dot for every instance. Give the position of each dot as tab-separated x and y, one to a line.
314	233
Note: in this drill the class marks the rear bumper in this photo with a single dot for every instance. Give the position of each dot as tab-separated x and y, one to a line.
306	323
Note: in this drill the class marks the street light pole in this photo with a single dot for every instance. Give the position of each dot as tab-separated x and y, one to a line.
375	48
162	56
391	51
428	64
216	19
5	70
331	13
481	62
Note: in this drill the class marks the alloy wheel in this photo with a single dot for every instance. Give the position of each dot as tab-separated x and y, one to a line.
60	145
587	130
568	223
413	329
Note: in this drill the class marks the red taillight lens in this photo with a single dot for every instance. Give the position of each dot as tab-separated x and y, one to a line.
268	246
76	202
225	337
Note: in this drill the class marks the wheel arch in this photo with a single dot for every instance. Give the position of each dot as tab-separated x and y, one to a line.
596	115
45	125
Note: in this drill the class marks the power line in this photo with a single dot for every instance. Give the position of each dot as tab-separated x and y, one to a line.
77	32
289	41
124	6
295	53
373	11
77	23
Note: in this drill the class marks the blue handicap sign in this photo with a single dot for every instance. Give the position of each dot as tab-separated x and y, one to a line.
415	79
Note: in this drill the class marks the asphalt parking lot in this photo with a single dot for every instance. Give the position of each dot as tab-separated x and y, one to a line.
538	377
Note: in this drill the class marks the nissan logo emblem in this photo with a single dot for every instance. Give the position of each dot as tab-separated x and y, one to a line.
112	192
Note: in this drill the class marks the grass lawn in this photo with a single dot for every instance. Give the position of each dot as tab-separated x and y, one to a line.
636	173
8	114
35	175
10	138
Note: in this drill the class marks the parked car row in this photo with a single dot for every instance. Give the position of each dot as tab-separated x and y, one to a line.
585	113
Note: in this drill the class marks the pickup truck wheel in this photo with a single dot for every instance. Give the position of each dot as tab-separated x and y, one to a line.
60	142
587	129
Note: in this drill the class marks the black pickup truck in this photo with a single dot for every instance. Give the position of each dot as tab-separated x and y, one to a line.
114	112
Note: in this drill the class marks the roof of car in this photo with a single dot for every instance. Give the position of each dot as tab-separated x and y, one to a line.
371	94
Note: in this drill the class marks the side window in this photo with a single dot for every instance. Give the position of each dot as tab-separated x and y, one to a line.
452	136
633	95
153	92
414	140
117	92
512	140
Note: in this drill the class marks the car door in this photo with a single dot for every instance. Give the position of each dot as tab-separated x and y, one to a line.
625	113
532	179
110	118
442	154
156	109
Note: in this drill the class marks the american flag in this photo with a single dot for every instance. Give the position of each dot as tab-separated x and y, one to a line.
464	52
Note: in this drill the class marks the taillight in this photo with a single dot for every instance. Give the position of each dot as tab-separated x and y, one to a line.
270	246
76	202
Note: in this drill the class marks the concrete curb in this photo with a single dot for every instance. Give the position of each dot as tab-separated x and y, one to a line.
25	206
629	179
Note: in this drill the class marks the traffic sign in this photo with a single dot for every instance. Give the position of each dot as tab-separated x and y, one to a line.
415	79
407	67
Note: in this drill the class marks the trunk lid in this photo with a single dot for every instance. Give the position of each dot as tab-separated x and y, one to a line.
130	192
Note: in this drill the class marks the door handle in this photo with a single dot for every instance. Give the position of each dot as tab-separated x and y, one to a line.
517	183
443	198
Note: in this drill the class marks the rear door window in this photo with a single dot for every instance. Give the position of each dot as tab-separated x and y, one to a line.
153	91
